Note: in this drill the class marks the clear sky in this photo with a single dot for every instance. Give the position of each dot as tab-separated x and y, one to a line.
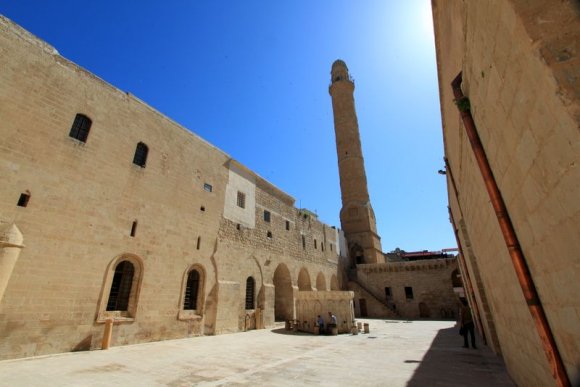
251	77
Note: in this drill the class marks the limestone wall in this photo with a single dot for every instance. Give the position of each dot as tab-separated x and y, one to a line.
519	63
430	295
310	305
87	198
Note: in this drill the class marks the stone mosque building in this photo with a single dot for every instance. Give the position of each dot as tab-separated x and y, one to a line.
170	237
164	234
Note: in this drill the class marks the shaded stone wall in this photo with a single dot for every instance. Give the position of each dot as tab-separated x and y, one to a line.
519	63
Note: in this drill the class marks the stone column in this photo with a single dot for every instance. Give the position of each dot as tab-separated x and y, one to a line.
10	246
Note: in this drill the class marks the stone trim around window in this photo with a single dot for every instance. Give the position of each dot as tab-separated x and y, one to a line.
121	316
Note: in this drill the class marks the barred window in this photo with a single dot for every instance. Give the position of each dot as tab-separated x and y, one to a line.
80	128
121	286
250	285
241	199
191	291
140	157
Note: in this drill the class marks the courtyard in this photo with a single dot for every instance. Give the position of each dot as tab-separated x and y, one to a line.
394	353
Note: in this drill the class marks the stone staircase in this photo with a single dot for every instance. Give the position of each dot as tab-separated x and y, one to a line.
375	306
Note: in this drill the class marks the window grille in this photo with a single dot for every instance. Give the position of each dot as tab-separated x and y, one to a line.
121	287
241	199
80	128
250	293
191	291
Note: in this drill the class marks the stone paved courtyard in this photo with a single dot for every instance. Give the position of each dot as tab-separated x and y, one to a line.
394	353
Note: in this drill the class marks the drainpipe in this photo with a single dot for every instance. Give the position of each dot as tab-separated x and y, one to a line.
461	257
512	243
468	283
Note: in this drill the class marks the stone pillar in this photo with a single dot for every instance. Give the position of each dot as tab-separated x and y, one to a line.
10	246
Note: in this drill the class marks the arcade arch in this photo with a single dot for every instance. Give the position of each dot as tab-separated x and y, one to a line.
304	283
283	294
320	282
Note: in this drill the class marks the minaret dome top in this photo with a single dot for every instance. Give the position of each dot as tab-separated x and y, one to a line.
339	71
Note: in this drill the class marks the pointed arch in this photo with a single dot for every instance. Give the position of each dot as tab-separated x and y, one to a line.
283	294
320	282
304	283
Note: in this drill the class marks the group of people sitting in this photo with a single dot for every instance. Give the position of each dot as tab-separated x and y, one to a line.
322	325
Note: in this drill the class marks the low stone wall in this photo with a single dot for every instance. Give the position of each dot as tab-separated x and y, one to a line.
311	304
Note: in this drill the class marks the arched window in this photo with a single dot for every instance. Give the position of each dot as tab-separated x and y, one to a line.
192	300
250	285
121	287
80	128
140	157
191	291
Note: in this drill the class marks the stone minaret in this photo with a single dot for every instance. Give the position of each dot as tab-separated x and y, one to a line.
356	216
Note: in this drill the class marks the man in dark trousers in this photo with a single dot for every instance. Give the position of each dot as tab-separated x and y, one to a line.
467	324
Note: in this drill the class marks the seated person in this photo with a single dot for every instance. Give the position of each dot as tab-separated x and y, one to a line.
320	322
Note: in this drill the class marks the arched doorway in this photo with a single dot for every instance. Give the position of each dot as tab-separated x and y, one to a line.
320	282
334	283
283	295
304	283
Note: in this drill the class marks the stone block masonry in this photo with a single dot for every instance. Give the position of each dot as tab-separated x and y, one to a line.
161	245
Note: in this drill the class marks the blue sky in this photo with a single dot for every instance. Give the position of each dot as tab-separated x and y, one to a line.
251	77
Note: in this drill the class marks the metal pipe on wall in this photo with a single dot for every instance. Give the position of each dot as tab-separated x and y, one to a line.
517	256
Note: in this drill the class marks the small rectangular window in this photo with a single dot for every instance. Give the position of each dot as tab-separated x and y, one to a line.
134	228
207	187
322	245
266	216
241	199
23	200
331	247
409	292
303	243
140	157
315	244
287	225
388	293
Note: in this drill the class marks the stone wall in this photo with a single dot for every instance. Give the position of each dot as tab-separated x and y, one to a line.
429	294
310	305
520	72
90	208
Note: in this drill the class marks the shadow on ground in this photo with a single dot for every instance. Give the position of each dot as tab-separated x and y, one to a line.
447	363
